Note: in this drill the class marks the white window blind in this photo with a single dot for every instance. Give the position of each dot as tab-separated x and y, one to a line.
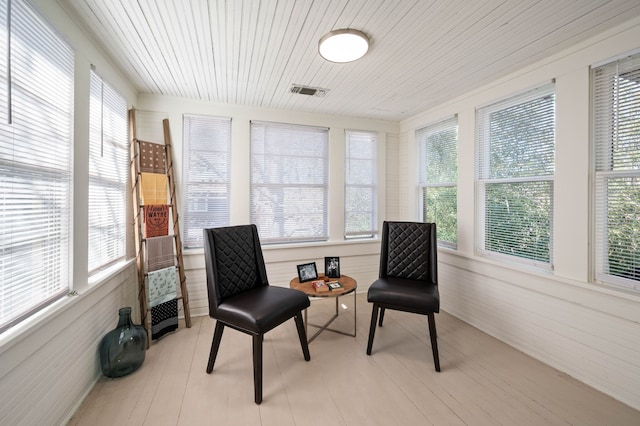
616	115
360	185
289	169
36	112
515	171
206	176
108	174
438	178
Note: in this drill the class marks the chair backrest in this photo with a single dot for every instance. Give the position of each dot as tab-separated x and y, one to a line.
409	250
234	262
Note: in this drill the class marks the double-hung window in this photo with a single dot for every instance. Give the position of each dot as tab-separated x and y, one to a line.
289	182
438	178
36	151
616	134
360	185
206	176
108	174
515	174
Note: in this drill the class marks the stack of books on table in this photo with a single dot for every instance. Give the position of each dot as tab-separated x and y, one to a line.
334	285
320	286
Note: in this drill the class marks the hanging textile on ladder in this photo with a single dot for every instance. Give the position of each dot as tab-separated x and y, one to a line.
161	278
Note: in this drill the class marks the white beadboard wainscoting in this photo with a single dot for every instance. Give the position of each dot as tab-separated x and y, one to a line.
49	368
593	336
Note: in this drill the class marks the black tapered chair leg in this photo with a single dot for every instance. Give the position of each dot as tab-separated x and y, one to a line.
381	317
372	327
303	336
215	344
257	367
434	340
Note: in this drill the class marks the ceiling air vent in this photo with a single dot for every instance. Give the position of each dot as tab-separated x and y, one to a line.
309	91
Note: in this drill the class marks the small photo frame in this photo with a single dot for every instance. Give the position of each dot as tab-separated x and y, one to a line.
307	272
332	267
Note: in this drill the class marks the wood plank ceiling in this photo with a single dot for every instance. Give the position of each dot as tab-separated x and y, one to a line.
250	52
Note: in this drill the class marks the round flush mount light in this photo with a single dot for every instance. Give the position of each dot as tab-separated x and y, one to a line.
344	45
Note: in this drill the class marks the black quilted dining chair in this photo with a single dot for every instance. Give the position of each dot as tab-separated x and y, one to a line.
240	296
408	276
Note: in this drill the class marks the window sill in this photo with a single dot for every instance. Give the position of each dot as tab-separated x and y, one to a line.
298	246
106	274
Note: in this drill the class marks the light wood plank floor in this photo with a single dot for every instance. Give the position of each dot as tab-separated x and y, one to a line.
483	381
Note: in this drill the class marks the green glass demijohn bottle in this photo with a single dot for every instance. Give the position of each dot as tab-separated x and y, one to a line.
122	349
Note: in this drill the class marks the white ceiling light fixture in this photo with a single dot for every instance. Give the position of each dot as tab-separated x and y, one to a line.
346	45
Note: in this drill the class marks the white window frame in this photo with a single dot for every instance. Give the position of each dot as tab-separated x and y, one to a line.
289	182
206	184
108	175
36	159
425	182
614	168
485	180
361	154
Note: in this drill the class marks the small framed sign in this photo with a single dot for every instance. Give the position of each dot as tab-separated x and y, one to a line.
332	267
307	272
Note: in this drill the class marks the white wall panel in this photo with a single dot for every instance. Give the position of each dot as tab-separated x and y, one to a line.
595	347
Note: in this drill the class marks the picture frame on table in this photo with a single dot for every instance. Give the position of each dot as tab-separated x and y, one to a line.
332	267
307	272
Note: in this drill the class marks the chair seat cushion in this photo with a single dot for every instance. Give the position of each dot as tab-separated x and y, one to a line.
260	309
405	294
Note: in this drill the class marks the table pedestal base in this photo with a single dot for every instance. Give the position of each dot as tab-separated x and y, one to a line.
325	326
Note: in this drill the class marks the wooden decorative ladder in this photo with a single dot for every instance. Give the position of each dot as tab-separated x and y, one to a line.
140	240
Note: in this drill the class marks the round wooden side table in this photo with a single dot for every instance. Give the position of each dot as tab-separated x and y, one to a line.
349	286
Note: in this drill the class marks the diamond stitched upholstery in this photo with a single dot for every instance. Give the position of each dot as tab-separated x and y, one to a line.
236	261
237	284
408	251
408	278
